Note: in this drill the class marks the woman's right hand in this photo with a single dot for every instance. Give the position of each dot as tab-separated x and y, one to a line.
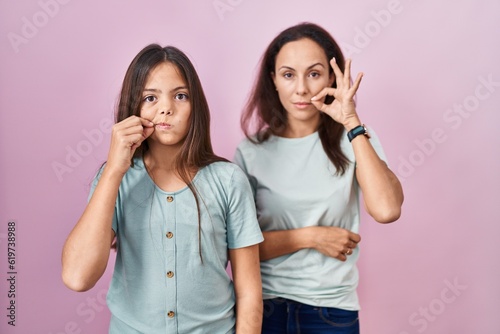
126	137
335	242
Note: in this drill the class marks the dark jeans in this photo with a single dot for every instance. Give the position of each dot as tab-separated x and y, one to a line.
284	316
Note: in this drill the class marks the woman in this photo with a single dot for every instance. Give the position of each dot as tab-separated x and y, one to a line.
306	160
178	212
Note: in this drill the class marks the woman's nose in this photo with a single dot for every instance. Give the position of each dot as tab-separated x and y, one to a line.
301	88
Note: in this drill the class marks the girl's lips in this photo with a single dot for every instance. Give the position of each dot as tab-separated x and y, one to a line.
163	126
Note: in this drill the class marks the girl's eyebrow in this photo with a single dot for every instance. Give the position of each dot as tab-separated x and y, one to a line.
178	88
291	68
154	90
151	90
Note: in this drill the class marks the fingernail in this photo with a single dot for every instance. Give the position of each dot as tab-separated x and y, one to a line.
313	98
335	60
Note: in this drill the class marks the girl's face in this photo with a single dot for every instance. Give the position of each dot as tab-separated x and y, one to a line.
301	71
166	102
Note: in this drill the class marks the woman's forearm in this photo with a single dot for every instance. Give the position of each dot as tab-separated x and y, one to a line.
382	191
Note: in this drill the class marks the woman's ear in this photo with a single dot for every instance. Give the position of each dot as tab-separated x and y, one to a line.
331	79
273	76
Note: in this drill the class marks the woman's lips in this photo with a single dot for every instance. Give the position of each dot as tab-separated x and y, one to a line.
302	105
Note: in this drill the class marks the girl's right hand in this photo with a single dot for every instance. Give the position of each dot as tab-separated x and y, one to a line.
126	137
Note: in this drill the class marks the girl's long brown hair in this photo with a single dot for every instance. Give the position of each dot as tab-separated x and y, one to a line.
264	114
196	151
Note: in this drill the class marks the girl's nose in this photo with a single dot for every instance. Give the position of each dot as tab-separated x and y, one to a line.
166	109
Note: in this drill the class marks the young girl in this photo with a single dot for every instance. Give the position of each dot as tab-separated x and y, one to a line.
308	160
178	212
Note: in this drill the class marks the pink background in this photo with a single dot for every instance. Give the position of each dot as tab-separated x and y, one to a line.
431	91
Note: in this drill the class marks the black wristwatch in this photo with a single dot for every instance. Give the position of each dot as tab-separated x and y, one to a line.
359	130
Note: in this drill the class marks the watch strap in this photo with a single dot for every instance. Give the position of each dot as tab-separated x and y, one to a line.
358	130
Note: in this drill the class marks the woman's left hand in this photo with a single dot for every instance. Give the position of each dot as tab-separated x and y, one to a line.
342	109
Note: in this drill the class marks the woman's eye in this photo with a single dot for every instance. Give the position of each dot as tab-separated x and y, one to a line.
149	98
314	74
287	75
181	96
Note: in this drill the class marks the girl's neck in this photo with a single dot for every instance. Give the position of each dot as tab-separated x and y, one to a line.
161	157
162	168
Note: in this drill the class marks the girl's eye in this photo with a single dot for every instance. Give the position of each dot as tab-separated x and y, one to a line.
314	74
149	98
181	96
287	75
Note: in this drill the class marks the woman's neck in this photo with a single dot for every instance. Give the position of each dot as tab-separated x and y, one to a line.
299	129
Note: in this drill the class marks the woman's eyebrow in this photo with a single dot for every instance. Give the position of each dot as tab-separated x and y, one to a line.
320	64
291	68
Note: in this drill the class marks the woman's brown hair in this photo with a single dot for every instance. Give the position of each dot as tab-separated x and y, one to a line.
264	114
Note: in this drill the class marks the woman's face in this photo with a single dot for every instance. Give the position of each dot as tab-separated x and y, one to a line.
166	102
301	71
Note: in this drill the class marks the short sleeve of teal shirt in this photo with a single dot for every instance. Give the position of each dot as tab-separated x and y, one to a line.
169	278
240	203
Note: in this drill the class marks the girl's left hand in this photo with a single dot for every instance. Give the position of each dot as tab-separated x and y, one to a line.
342	109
